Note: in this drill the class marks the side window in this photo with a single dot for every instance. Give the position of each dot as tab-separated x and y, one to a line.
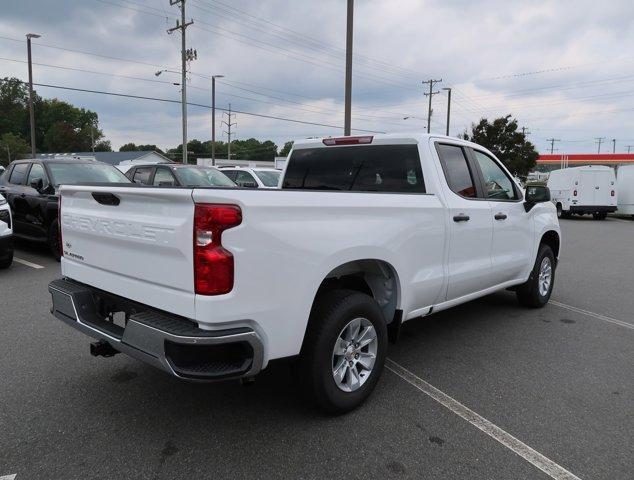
457	172
142	175
163	177
18	173
37	173
244	179
230	173
497	184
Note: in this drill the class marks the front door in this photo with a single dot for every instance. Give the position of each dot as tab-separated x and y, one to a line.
511	248
471	225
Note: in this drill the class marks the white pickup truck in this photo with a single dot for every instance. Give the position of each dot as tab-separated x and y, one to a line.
364	234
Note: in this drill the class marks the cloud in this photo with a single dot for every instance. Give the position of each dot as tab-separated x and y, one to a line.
544	61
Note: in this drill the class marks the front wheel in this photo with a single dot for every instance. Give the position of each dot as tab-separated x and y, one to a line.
560	211
536	291
344	350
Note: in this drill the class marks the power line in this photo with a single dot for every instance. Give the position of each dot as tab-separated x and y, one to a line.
599	141
552	143
430	94
167	100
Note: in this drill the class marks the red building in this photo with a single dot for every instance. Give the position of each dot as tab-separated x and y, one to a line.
546	163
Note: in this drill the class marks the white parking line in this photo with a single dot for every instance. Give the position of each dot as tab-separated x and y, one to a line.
546	465
28	264
592	314
8	477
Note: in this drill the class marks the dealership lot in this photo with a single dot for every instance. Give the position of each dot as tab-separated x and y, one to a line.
551	390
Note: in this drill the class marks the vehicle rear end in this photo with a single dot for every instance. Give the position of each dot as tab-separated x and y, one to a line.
594	191
134	260
625	187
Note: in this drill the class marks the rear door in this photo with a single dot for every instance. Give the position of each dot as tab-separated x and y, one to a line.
471	224
512	241
131	241
36	202
16	196
586	190
603	188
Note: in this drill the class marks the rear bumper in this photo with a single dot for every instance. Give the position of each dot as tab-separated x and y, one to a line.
171	343
592	208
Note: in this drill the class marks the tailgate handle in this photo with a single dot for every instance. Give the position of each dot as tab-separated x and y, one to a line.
106	198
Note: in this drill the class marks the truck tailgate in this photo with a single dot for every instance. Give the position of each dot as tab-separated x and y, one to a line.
136	242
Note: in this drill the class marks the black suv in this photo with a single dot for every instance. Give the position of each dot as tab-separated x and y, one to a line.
32	187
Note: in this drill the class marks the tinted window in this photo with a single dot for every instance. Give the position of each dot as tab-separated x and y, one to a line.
142	175
497	184
270	178
371	168
245	179
76	173
37	173
230	173
456	168
18	173
163	176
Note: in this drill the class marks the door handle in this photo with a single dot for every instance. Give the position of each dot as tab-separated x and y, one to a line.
500	216
461	218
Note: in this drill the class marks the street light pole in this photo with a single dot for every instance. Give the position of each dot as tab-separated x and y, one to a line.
29	36
213	118
448	107
348	90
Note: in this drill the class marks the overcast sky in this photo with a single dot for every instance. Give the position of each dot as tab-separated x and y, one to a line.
565	69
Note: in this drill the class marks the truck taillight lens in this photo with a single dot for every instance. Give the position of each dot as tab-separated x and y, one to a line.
612	193
574	193
213	264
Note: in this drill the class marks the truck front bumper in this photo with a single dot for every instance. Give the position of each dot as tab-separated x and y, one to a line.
169	342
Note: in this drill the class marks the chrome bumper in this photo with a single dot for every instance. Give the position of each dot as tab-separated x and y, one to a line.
166	341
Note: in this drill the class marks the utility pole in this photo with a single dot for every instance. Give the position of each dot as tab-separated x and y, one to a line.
448	89
628	148
430	94
599	141
614	145
229	124
348	88
92	137
552	143
29	36
524	131
213	118
185	56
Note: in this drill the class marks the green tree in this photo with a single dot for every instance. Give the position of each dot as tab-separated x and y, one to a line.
286	149
11	147
507	142
128	147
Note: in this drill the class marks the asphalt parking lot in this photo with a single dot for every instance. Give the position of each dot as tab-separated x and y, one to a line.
486	390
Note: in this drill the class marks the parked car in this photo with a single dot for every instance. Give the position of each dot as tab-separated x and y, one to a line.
31	188
366	233
625	186
178	175
128	164
6	234
253	177
583	190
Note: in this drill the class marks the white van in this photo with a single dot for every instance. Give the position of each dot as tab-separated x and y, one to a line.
625	185
581	190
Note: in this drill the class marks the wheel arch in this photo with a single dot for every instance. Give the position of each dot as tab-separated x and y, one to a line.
552	239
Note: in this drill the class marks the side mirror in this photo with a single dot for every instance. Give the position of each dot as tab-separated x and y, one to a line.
535	194
37	184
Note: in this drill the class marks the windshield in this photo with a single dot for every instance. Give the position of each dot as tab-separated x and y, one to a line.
203	177
270	178
76	173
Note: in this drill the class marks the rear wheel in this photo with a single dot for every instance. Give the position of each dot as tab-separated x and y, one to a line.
536	291
560	211
54	240
344	350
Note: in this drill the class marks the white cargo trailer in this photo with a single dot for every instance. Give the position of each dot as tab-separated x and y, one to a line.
625	185
584	190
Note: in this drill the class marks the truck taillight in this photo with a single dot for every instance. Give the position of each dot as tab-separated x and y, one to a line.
612	193
574	193
365	139
213	264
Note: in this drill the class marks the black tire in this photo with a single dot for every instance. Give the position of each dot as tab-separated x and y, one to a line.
331	313
7	260
560	211
596	216
54	240
529	294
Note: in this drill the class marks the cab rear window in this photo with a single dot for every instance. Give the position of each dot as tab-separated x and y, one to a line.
367	168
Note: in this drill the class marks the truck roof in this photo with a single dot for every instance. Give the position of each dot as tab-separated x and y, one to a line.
377	139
